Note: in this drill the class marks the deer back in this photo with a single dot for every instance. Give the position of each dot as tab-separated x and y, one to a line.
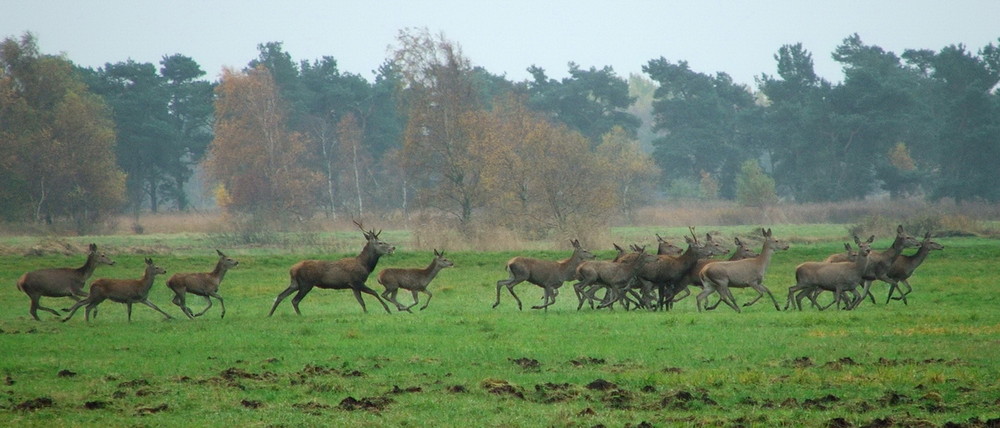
127	290
60	282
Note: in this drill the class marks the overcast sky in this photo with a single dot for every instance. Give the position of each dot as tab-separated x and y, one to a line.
505	37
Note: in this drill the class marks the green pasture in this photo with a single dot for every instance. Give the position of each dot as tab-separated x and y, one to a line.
462	363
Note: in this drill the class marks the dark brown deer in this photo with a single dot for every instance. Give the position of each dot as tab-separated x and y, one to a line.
415	280
665	248
666	271
60	282
544	273
344	274
742	251
722	275
127	291
616	276
904	266
837	277
204	284
879	262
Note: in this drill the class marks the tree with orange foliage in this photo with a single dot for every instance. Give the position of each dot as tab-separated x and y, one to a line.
256	159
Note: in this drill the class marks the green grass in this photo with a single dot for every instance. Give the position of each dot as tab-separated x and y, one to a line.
461	363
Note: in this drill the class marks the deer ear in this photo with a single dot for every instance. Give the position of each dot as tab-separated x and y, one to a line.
220	253
847	246
927	235
93	246
871	239
899	229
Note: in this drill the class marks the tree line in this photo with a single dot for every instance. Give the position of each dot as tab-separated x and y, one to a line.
432	133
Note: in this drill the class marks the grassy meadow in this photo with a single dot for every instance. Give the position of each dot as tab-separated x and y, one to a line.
933	362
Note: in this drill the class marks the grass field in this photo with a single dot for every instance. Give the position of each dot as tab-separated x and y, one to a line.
933	362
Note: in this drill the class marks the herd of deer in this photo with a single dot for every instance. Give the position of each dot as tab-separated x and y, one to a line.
632	279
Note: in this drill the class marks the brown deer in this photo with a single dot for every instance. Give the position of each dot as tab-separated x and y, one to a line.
127	291
849	253
742	251
544	273
879	262
665	248
722	275
838	277
617	276
666	271
201	284
348	273
60	282
902	268
415	280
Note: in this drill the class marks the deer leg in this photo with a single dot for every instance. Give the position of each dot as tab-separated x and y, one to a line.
893	285
707	289
207	300
221	303
128	307
429	295
415	301
864	293
791	295
72	310
180	302
510	283
365	289
727	296
35	305
548	297
90	306
288	291
157	309
904	293
301	294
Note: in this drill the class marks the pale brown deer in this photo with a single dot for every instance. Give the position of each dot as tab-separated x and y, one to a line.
544	273
666	271
415	280
721	276
204	284
742	251
665	248
904	266
60	282
837	277
849	253
127	291
344	274
616	276
879	262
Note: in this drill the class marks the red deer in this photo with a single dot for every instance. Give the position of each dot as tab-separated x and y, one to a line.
838	277
415	280
617	276
201	284
666	271
742	252
879	262
544	273
664	248
902	269
349	273
722	275
127	291
60	282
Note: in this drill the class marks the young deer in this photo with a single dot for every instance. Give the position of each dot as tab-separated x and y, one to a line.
349	273
902	269
415	280
546	274
127	291
666	271
720	276
880	261
616	276
201	284
60	282
691	278
838	277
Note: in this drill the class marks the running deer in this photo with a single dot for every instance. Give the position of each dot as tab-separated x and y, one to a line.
544	273
348	273
127	291
879	262
720	276
742	251
415	280
60	282
838	277
617	276
666	271
902	269
664	248
201	284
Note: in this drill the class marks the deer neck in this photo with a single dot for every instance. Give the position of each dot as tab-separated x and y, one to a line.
569	265
88	267
220	270
369	257
918	258
895	250
146	282
432	269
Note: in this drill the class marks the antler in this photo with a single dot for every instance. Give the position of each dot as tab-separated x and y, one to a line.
693	235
